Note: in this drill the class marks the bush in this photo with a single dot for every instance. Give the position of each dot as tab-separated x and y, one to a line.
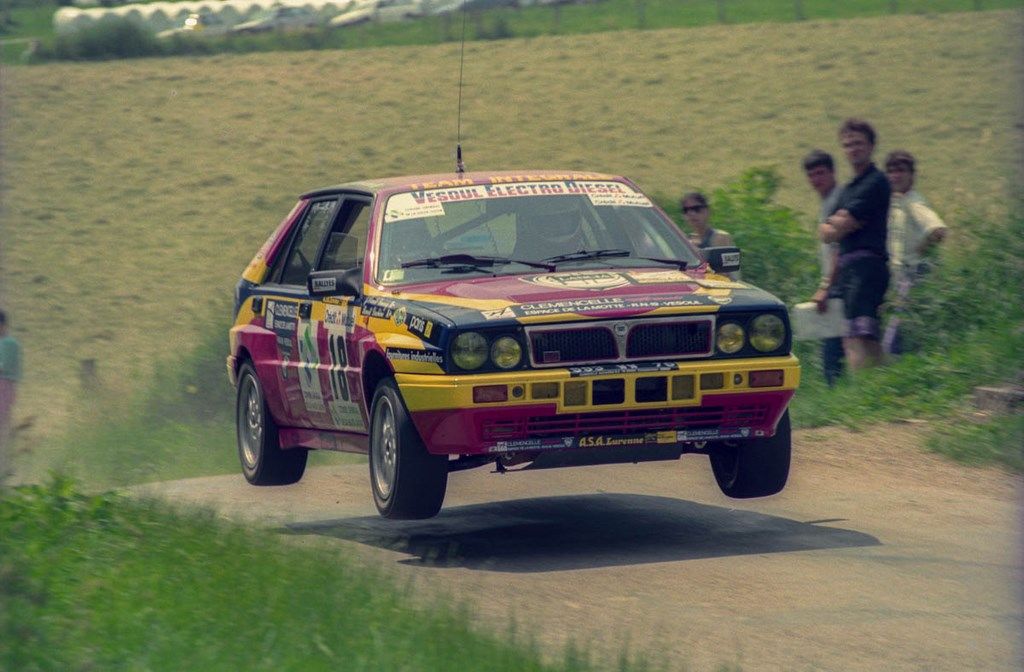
108	39
779	252
973	287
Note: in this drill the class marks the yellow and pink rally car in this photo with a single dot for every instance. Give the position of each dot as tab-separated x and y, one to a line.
523	320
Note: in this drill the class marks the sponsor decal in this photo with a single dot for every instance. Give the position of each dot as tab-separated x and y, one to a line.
309	363
428	199
379	308
531	444
599	441
713	433
399	316
599	280
325	284
731	258
613	369
410	355
501	314
337	318
606	303
402	210
419	326
393	275
657	277
722	300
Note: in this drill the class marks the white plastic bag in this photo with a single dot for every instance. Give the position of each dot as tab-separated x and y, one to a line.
810	325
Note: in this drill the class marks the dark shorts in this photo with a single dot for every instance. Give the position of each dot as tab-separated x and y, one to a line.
863	283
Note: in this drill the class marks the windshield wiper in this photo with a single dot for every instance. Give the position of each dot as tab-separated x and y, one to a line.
473	261
584	255
675	262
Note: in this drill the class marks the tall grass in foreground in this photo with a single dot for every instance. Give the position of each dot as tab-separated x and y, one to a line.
108	583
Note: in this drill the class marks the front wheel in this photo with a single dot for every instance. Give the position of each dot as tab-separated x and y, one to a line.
407	481
753	468
263	461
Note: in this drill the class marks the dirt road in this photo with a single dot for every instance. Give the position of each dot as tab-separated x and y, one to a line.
877	556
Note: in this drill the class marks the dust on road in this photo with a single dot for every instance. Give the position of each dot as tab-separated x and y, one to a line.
877	556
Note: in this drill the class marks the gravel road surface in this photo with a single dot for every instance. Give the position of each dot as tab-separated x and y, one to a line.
877	556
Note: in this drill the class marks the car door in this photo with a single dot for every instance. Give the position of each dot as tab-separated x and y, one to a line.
287	314
332	327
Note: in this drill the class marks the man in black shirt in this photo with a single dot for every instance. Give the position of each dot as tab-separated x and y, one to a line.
859	226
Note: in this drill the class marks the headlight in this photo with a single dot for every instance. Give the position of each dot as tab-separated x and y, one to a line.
730	338
506	352
469	351
767	332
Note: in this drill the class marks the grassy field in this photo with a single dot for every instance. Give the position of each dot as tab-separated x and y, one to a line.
500	23
135	192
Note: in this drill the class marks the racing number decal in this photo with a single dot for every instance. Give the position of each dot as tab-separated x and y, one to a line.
339	323
340	362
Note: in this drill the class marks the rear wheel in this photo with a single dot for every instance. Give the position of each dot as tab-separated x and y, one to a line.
263	461
755	468
407	481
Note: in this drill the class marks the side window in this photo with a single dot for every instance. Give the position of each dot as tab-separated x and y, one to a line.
346	245
307	242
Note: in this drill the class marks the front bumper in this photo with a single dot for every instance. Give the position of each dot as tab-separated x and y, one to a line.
676	402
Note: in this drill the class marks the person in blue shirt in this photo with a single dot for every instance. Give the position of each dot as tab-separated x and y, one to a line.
10	374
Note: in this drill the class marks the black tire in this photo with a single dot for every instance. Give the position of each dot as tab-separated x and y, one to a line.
407	481
753	468
259	451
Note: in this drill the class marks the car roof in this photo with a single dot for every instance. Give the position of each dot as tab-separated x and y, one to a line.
389	185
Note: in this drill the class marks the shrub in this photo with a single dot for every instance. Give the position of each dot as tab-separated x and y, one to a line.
779	252
108	39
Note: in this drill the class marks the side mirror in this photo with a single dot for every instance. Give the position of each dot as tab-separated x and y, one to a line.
723	259
345	282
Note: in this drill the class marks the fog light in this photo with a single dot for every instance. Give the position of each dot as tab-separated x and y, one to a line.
488	394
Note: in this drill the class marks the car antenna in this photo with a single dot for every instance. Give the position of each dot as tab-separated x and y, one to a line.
460	167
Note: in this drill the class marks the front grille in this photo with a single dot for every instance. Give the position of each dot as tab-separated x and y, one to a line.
629	422
573	345
669	339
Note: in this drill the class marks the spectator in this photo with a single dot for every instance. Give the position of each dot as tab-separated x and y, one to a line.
859	226
913	229
698	215
821	174
10	374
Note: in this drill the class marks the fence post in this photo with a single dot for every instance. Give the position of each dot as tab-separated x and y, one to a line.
720	6
558	18
641	14
894	6
800	10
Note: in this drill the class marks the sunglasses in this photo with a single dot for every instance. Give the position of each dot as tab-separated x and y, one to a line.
694	208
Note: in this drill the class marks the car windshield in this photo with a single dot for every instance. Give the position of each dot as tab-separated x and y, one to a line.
568	224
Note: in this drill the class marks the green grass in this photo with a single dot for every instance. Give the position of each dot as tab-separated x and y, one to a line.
106	583
978	442
135	192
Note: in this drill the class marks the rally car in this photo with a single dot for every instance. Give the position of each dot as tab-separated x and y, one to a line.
521	320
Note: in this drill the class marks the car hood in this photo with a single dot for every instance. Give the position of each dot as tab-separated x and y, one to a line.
584	294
